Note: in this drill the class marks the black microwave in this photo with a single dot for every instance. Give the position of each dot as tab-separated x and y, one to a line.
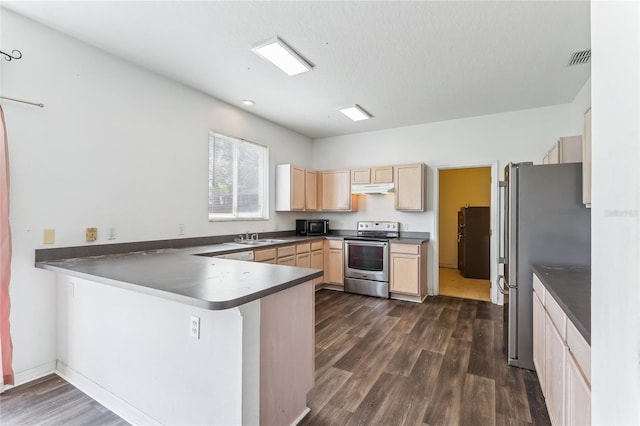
312	226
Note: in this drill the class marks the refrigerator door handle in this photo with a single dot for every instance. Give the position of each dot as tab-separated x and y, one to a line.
504	289
502	215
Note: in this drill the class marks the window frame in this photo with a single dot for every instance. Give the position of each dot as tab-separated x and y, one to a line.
264	191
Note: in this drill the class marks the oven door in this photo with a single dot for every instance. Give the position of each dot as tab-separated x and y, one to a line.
367	260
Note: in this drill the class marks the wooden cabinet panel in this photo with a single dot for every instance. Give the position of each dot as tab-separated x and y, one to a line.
568	149
336	191
296	188
361	175
287	261
555	353
578	395
317	245
317	262
303	248
382	174
265	255
303	260
334	262
539	340
286	251
586	160
405	274
580	349
410	194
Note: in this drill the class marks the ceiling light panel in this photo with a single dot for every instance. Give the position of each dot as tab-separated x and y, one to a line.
356	113
281	55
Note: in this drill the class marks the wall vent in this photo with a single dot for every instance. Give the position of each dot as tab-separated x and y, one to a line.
579	58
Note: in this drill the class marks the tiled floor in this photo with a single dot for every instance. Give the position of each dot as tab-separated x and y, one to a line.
452	283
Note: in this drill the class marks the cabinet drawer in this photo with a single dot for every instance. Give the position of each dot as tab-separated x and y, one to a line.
405	248
335	244
557	315
317	245
580	349
303	248
538	288
286	251
263	255
287	261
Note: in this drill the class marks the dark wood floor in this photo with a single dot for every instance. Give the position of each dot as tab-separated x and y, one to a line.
387	362
52	401
378	362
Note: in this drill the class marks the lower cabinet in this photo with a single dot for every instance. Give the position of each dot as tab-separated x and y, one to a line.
408	271
562	359
334	262
317	259
303	255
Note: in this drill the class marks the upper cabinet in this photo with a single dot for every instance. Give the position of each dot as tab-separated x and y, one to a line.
586	160
335	191
568	149
372	175
410	187
296	188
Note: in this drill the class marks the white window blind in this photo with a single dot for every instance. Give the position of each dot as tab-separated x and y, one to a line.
238	179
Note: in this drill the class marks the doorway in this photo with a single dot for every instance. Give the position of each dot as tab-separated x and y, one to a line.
464	240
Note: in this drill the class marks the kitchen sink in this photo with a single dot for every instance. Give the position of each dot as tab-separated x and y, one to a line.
258	242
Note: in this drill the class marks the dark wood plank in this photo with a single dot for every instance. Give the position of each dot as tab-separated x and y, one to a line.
478	401
481	362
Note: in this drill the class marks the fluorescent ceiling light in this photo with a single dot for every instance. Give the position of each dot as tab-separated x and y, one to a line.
248	102
282	56
356	113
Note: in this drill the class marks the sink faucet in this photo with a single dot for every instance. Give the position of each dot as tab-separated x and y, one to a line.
254	236
247	236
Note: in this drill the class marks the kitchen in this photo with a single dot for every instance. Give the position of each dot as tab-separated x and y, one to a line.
82	141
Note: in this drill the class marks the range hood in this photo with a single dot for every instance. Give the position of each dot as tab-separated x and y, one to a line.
372	188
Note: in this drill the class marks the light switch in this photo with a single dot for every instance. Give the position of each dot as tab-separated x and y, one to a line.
49	236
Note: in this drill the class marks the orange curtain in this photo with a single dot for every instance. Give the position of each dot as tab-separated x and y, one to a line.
6	346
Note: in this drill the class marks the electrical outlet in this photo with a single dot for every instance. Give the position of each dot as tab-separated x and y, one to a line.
406	226
49	236
112	234
91	234
195	327
181	229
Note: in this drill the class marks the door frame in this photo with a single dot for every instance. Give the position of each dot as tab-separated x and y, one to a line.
496	296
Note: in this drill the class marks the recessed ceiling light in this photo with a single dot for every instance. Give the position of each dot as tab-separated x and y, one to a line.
279	54
248	102
356	113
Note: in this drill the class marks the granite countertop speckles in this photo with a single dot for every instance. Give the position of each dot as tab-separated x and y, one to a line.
570	286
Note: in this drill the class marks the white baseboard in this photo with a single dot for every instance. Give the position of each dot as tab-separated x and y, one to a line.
301	416
33	374
104	397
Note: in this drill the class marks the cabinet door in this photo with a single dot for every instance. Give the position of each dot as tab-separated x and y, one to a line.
311	190
382	174
317	262
336	190
287	261
578	395
570	149
303	260
586	160
405	274
539	340
555	352
297	188
334	263
410	187
361	175
553	155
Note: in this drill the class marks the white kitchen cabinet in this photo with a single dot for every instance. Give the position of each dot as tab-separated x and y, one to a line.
296	188
336	191
586	160
568	149
408	271
562	359
410	187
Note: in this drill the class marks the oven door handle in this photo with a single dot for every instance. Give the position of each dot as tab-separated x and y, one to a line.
366	243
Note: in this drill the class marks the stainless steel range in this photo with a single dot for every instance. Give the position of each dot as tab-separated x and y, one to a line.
366	258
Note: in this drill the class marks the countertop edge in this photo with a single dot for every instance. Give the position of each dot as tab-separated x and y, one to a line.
586	334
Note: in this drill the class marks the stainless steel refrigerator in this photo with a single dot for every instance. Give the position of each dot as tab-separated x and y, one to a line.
543	221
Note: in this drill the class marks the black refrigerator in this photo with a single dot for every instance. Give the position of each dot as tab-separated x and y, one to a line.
544	221
474	248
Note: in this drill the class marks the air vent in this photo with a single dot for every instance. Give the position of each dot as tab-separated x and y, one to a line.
579	58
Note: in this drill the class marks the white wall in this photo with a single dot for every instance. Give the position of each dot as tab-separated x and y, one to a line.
115	146
615	248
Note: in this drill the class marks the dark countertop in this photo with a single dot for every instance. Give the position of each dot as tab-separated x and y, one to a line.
188	275
570	286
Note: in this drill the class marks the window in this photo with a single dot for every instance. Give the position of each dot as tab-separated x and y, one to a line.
238	179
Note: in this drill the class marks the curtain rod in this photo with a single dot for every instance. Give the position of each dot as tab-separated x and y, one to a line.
24	102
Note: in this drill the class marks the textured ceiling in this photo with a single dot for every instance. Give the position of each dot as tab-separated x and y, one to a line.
404	62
